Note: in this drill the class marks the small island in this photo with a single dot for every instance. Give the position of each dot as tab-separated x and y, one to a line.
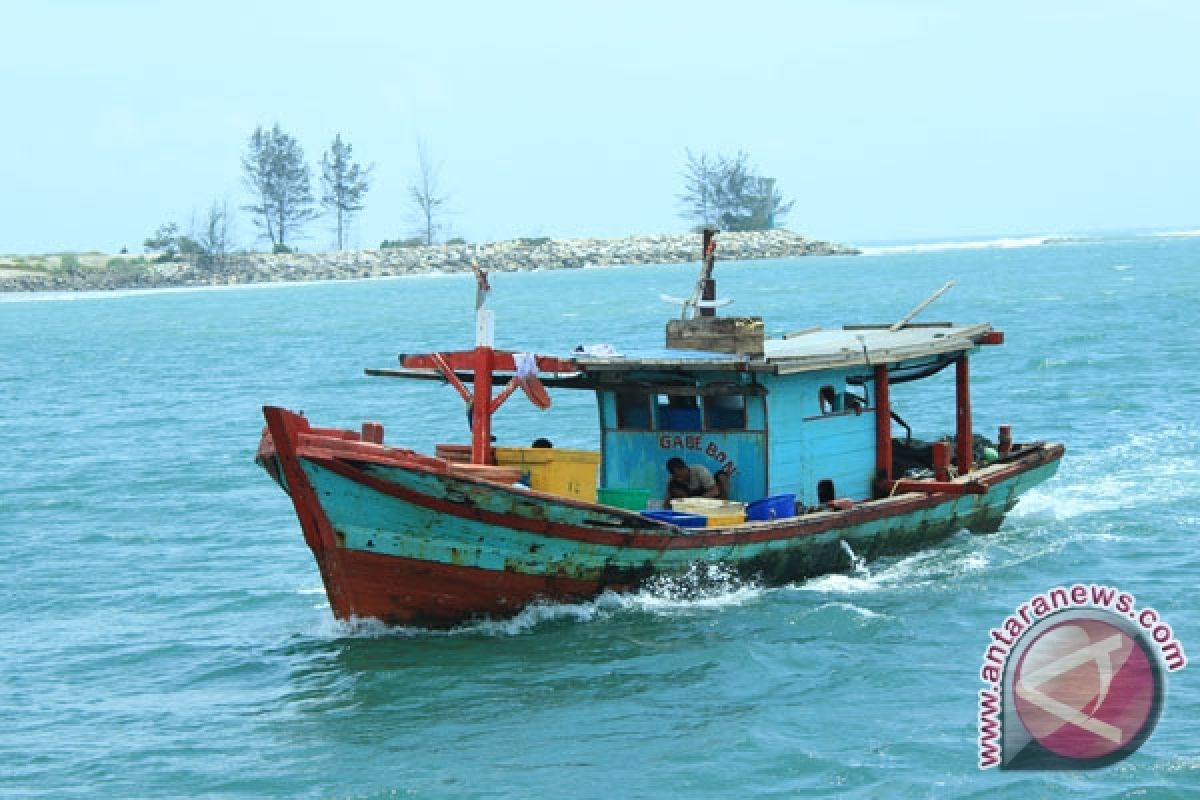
96	271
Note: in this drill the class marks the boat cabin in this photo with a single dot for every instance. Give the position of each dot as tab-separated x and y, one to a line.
807	415
810	417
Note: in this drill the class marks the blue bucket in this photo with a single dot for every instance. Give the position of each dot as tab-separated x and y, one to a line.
680	518
776	506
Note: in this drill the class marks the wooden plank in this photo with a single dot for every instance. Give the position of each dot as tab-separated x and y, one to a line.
740	335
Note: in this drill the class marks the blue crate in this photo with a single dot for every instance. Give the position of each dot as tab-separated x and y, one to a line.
777	506
680	518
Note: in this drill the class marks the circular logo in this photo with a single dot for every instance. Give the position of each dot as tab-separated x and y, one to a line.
1086	689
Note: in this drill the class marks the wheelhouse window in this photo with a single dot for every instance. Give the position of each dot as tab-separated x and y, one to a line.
633	411
829	398
678	413
837	401
726	412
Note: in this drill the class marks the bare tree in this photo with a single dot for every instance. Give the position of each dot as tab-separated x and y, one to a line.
343	184
426	195
214	238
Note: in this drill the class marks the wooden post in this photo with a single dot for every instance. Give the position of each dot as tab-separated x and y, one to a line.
372	432
940	455
883	425
1004	441
481	411
963	434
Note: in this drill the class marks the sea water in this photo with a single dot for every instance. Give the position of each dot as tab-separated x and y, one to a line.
164	632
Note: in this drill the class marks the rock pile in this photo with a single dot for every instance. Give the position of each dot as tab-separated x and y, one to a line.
512	255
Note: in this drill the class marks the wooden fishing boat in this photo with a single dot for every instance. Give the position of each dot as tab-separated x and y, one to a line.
800	428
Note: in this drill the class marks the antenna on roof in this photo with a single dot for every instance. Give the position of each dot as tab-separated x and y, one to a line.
704	295
907	318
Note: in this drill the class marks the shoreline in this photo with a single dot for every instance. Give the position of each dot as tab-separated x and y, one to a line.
506	256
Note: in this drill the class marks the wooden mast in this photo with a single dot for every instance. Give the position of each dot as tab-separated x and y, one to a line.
708	286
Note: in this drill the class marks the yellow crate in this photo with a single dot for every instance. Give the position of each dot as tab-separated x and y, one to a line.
708	506
567	473
714	520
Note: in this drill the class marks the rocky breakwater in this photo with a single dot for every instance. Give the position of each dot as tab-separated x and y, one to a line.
511	255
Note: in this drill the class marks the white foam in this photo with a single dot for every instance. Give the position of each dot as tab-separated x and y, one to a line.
701	588
1006	243
1064	502
1171	234
858	564
1150	467
859	611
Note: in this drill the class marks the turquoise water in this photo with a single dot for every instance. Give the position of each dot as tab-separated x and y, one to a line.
164	633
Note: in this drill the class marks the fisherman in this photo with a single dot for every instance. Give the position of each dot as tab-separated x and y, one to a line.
693	480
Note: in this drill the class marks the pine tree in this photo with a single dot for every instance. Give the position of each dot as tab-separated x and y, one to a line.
277	175
343	184
724	192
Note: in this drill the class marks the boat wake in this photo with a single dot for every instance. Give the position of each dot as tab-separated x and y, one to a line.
912	571
1153	467
704	587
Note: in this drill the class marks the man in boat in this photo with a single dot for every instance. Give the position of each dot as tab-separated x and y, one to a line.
694	480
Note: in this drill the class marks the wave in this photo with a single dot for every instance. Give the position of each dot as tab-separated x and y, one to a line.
1014	242
1008	242
1170	235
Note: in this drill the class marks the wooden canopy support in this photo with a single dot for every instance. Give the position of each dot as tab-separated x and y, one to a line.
963	435
481	412
883	424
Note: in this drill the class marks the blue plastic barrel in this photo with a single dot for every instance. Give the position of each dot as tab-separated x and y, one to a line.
777	506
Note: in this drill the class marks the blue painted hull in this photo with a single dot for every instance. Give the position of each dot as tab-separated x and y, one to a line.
401	538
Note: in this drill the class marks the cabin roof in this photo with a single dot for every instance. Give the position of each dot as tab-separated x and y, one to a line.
810	350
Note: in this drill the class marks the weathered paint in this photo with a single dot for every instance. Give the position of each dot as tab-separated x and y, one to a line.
398	537
636	458
808	445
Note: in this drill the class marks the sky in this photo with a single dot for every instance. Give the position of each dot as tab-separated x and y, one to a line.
883	120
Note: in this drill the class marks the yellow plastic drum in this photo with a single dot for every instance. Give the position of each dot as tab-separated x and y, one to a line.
566	473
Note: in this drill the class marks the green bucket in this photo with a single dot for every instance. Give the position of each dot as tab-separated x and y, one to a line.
631	499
